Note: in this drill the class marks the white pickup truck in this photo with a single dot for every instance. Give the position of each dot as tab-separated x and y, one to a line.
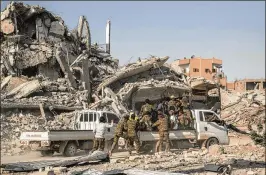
68	141
203	133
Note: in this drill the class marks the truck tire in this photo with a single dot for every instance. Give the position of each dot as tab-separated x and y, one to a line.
148	147
46	153
70	149
211	141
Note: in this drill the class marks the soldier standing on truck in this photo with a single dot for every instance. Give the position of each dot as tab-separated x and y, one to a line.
120	131
183	120
163	126
178	105
185	107
99	131
172	104
132	129
146	121
146	108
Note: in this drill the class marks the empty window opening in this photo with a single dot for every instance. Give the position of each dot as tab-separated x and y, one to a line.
33	36
214	70
30	71
207	70
251	85
195	70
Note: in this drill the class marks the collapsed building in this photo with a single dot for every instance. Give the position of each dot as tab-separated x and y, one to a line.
48	71
47	61
43	62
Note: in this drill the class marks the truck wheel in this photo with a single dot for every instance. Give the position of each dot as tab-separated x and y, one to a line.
147	147
47	153
211	141
70	149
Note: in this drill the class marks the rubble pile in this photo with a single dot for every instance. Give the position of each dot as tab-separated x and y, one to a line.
192	161
133	83
246	111
243	109
50	63
13	123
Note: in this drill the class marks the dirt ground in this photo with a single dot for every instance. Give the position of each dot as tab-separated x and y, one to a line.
120	160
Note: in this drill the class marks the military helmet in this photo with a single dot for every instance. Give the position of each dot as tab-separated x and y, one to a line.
147	101
126	116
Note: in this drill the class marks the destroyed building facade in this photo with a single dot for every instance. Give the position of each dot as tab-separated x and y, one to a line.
39	50
247	85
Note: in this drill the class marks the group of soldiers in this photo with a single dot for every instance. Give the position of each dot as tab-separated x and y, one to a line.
173	113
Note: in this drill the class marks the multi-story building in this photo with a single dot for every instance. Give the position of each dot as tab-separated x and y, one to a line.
200	67
247	84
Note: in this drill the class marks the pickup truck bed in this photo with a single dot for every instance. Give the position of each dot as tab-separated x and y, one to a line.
173	135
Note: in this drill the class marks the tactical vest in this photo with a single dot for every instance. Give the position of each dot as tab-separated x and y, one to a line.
147	108
131	125
120	126
164	126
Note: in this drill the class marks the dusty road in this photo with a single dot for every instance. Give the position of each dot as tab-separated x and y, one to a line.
192	164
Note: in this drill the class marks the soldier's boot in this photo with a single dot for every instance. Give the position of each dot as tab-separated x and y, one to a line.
126	144
138	149
167	147
157	147
130	151
160	146
112	148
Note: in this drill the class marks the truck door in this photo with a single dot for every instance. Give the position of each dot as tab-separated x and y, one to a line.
200	125
213	129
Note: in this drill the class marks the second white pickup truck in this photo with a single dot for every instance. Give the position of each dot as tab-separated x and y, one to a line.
68	141
207	129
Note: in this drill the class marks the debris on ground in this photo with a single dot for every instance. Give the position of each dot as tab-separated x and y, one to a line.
48	72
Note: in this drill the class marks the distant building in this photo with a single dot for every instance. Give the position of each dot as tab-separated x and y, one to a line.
247	84
200	67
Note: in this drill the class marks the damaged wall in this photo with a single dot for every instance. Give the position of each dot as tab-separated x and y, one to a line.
37	45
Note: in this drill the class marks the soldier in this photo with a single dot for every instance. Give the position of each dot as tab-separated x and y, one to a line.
163	126
146	108
185	107
120	130
99	131
146	121
132	128
172	104
133	113
183	120
178	105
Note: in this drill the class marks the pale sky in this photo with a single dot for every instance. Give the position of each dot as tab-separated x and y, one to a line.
231	31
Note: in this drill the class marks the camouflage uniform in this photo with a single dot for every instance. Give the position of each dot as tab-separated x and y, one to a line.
163	126
146	108
183	121
98	143
178	105
119	132
146	119
132	128
185	107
